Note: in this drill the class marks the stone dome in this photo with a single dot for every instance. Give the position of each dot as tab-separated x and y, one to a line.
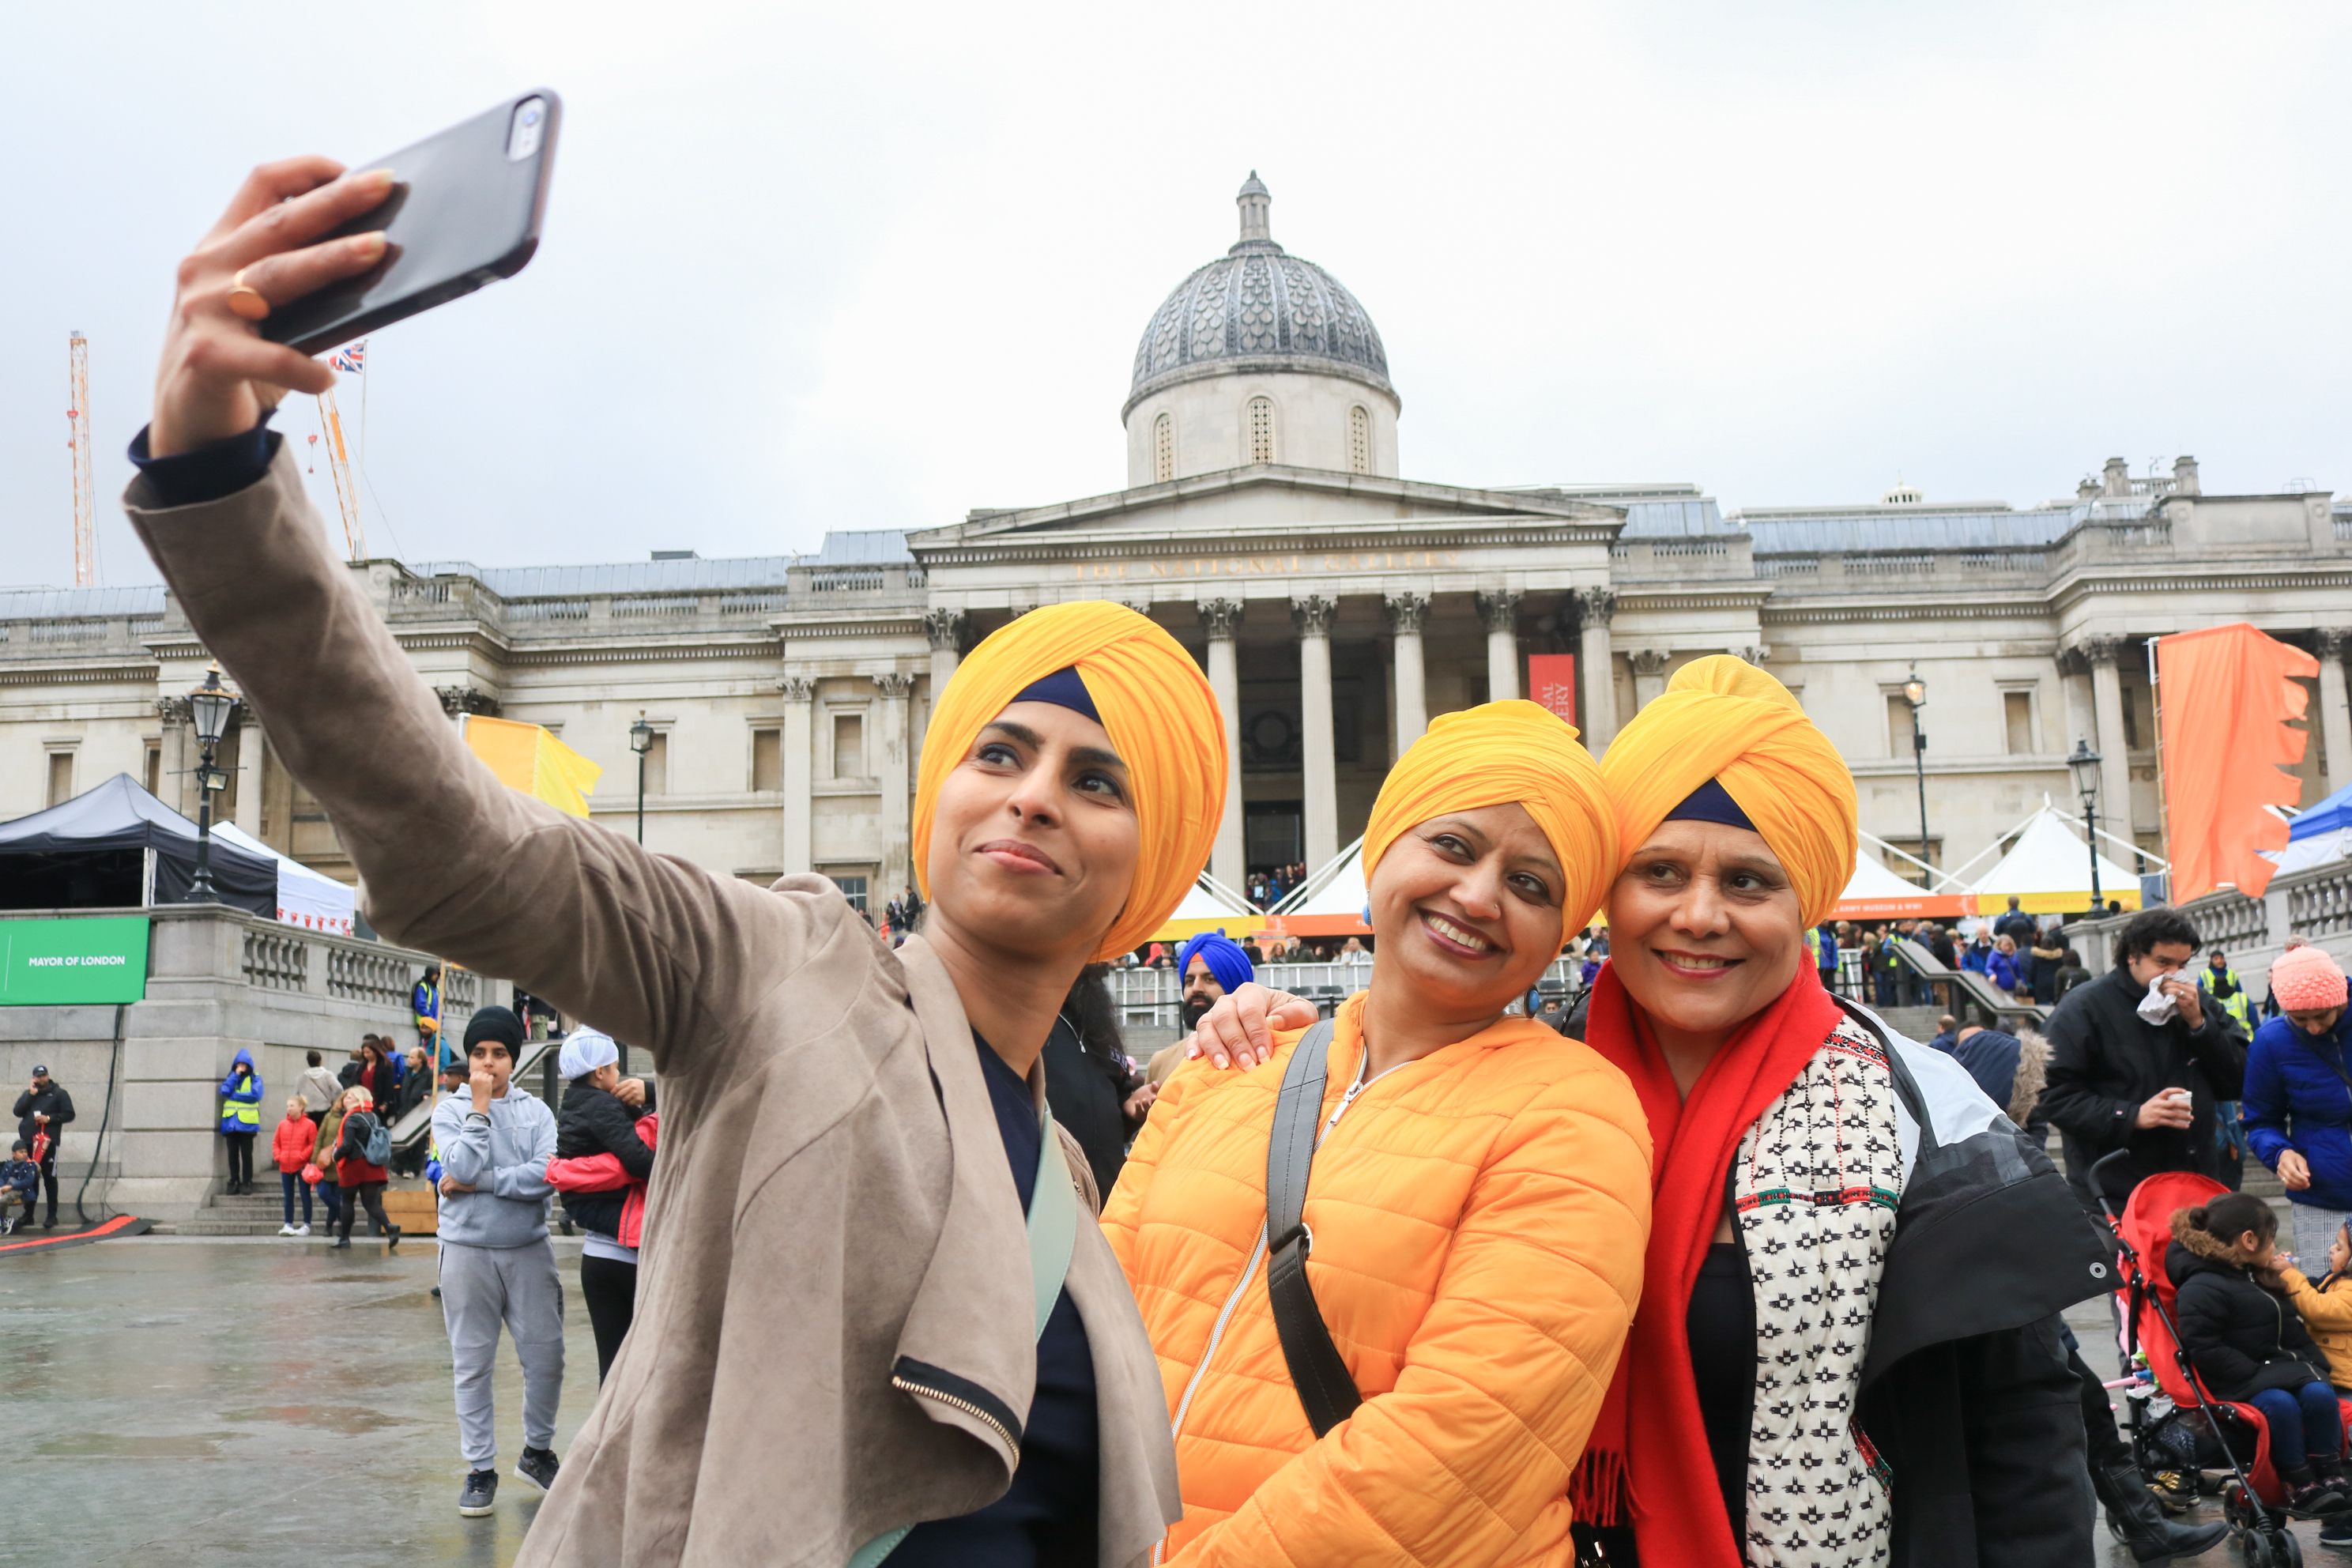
1258	308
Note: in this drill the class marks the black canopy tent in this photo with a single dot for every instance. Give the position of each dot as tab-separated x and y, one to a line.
116	847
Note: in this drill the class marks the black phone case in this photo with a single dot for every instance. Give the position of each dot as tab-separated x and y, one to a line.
461	214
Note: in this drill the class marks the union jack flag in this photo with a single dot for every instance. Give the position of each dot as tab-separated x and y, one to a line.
351	359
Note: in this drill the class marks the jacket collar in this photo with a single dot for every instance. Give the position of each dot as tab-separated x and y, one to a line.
971	1317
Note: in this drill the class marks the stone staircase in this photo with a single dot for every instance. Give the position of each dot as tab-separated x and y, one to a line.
260	1213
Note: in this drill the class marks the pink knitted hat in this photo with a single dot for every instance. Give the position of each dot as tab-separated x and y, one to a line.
2303	978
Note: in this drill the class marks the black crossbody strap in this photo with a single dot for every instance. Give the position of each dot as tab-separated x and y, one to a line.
1327	1389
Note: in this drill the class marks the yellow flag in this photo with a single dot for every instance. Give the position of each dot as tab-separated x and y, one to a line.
526	757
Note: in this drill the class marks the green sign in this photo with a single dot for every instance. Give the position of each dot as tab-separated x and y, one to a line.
45	962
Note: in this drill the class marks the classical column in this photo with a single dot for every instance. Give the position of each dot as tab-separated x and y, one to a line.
1320	771
174	788
1501	613
249	773
799	767
2103	654
2335	717
1598	675
1406	612
945	627
1222	618
898	745
1649	677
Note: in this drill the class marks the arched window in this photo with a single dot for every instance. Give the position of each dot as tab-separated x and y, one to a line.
1261	429
1163	448
1359	440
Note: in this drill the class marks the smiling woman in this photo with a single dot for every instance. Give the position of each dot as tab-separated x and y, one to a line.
1472	1218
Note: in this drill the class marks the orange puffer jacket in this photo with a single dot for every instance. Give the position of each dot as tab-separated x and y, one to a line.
1479	1218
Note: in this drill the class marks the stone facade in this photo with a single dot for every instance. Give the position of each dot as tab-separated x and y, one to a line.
1335	604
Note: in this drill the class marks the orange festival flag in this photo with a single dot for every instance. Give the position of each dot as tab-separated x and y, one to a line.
2226	694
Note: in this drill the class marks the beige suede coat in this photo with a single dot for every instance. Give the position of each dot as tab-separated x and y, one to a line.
834	1333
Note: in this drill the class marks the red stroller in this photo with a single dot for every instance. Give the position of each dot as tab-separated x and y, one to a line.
2250	1499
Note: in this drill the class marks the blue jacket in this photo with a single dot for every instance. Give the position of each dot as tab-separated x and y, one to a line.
1829	952
2295	1098
1975	958
22	1174
2001	970
240	1109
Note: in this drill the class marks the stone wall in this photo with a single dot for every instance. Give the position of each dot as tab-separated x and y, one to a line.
219	979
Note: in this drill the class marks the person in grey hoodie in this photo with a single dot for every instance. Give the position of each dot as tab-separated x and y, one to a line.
497	1267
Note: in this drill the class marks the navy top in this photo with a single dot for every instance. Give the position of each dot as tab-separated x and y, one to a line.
1047	1519
210	472
1721	1323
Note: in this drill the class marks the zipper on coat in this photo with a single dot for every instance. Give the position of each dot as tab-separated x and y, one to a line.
908	1378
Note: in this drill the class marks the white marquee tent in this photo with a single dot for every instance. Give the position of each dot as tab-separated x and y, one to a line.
2048	871
308	899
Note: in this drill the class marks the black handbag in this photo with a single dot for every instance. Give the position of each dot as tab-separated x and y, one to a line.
1327	1389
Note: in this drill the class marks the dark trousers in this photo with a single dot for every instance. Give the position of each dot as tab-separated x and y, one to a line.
288	1184
2108	1445
2306	1424
240	1158
610	1288
369	1194
49	1181
332	1196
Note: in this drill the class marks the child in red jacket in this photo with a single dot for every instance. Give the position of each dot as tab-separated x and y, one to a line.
291	1146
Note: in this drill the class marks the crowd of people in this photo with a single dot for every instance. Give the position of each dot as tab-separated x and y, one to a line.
1430	1280
1269	886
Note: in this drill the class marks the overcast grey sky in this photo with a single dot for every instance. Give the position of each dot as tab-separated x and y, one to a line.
817	268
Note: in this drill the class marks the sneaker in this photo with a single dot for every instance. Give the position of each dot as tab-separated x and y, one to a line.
340	1242
2175	1489
481	1491
537	1466
392	1239
305	1230
285	1230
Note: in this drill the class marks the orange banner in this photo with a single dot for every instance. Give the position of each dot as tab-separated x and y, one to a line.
1552	681
2226	695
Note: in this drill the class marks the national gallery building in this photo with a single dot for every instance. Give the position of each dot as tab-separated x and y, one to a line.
1335	603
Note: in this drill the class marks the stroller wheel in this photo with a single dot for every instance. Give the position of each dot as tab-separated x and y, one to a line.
2286	1551
2254	1550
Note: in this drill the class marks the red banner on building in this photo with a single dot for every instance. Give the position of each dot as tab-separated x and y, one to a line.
1551	680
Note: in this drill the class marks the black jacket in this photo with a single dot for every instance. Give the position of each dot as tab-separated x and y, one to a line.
1087	1094
1965	1391
2106	1062
52	1099
2243	1336
594	1120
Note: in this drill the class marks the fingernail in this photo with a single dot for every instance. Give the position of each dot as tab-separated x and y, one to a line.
374	179
1217	1061
369	245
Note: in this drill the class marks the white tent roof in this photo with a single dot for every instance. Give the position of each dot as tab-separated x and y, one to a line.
1873	880
2318	849
2049	863
304	897
1337	889
1205	903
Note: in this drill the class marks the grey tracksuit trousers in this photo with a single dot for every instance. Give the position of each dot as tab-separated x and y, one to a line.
482	1287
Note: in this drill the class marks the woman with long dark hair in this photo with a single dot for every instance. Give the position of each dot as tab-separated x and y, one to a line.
1094	1091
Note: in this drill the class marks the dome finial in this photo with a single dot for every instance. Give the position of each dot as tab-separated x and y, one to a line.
1254	201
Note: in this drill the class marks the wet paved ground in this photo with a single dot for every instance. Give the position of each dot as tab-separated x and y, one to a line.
265	1401
215	1401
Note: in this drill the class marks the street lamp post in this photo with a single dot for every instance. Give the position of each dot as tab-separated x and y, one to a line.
2084	763
209	705
641	740
1915	691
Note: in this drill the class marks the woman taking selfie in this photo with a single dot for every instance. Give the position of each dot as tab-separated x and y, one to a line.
1474	1213
843	1328
1846	1350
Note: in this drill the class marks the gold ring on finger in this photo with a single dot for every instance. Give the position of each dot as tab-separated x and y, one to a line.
244	300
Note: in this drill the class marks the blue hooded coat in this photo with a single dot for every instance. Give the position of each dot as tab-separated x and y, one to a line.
2297	1096
240	1109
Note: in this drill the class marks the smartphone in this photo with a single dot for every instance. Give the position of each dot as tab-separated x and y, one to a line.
464	210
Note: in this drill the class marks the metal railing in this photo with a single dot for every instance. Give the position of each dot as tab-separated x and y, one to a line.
1152	998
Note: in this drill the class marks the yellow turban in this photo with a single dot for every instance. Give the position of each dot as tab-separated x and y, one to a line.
1726	719
1162	717
1506	753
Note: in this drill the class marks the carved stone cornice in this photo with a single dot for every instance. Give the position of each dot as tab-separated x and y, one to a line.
895	686
171	709
945	628
1755	653
2332	642
1649	661
2103	648
1311	614
1594	607
1220	619
1406	612
1500	610
797	688
456	699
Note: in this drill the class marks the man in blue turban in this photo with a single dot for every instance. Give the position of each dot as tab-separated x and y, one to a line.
1211	964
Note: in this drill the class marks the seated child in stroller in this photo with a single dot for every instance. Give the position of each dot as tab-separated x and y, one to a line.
2250	1348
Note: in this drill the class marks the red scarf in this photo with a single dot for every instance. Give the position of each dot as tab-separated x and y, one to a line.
1648	1449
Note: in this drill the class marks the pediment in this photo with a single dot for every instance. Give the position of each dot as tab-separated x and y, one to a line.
1271	502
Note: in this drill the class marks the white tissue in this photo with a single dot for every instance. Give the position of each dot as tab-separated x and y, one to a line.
2157	1006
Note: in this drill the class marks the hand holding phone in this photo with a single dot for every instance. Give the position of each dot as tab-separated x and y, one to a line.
308	255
